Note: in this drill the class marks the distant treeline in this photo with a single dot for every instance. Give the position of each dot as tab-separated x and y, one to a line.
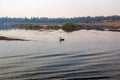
87	19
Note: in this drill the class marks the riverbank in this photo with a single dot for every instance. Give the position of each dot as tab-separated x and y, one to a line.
11	39
69	27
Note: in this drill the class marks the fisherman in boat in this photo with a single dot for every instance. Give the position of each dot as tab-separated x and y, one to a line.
61	39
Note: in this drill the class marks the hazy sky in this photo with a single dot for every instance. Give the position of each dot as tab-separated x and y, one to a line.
58	8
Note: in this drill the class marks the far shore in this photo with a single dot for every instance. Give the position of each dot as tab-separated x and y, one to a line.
11	39
69	27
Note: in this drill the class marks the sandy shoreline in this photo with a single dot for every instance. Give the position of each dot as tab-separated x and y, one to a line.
11	39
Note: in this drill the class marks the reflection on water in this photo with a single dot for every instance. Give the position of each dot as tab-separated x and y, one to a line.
84	55
5	27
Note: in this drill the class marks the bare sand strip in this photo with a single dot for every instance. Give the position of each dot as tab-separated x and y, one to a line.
11	39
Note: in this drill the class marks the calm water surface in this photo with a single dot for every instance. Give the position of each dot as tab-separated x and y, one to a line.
84	55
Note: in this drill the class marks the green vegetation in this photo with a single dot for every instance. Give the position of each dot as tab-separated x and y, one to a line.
69	27
24	26
70	24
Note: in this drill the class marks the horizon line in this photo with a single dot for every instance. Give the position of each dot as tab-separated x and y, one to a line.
58	17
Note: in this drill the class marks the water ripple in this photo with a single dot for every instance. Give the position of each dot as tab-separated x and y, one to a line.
76	65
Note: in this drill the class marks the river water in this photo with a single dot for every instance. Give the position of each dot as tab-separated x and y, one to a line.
84	55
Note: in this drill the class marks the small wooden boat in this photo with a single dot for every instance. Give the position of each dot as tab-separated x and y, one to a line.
61	39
